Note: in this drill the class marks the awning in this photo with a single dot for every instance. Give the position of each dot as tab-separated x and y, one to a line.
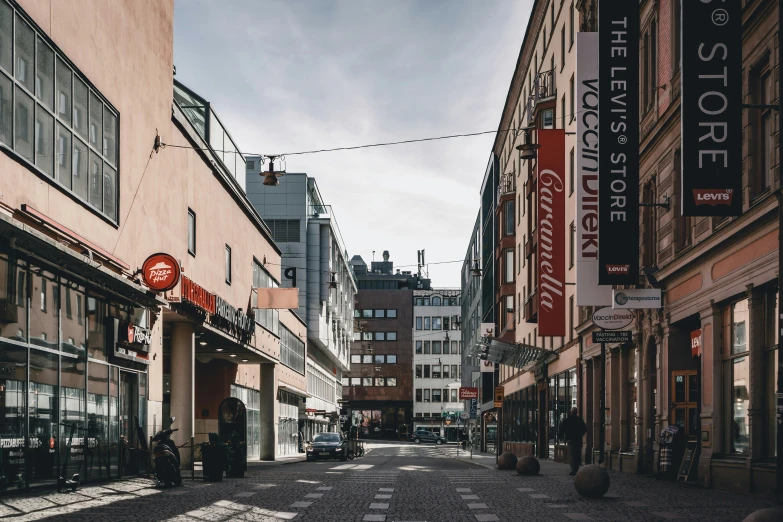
516	355
292	389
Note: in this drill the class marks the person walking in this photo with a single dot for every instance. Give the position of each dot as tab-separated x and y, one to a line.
572	430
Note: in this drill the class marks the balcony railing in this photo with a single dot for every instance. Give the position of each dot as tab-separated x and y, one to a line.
543	89
506	185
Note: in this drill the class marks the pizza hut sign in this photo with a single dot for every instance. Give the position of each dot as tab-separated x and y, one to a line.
139	335
160	272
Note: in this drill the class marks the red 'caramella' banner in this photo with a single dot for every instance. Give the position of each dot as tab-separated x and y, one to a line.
551	233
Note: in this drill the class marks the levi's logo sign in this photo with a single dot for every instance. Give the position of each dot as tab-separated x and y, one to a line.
713	197
618	269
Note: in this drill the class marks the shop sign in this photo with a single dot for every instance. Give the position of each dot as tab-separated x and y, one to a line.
610	319
487	330
711	108
138	334
551	233
696	343
197	296
234	319
618	124
160	272
500	394
487	367
588	291
612	337
131	342
649	298
466	393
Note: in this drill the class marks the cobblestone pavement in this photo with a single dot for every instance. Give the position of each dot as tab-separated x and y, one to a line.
394	482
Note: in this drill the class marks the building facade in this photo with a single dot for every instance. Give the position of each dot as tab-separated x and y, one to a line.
437	362
316	262
378	390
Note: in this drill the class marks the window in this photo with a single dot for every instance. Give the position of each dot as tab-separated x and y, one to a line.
356	381
380	359
426	396
445	347
426	371
391	359
426	323
367	314
268	318
508	268
366	381
562	112
284	230
426	347
367	336
675	32
418	394
633	392
426	301
548	119
445	395
683	231
571	22
391	381
649	69
445	323
737	371
418	347
571	243
191	232
454	348
292	350
436	347
453	395
762	85
380	381
509	218
436	323
418	323
562	48
380	314
571	318
391	314
228	264
436	301
380	336
357	336
454	372
418	373
435	395
391	336
418	301
445	371
356	359
436	371
572	114
48	107
367	359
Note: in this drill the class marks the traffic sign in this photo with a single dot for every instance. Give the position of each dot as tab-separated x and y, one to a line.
499	396
464	415
473	408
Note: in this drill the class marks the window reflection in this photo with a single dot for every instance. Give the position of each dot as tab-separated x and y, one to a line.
72	299
13	299
42	409
44	304
97	453
114	422
72	408
13	369
96	320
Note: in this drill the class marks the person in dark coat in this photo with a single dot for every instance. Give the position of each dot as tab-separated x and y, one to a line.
572	430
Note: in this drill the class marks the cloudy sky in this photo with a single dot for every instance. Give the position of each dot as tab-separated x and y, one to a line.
288	76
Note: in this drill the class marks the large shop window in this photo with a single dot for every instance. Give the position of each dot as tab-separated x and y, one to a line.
770	370
62	127
269	318
292	350
562	397
521	416
737	372
252	401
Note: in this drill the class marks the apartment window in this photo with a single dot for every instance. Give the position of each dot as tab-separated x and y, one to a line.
519	206
268	318
366	359
418	347
426	301
454	348
571	318
649	68
571	22
356	359
562	112
191	232
356	381
454	374
357	336
571	97
380	336
228	264
683	231
445	392
391	359
509	218
292	350
508	269
426	396
426	347
571	244
562	48
675	32
367	314
453	395
418	323
436	396
52	120
509	312
426	323
380	381
366	336
445	323
445	347
763	121
391	381
519	258
418	301
436	347
366	381
391	314
436	301
445	371
391	336
548	119
426	371
436	323
380	314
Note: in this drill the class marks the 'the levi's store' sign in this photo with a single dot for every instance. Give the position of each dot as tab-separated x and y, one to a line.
551	233
711	108
618	163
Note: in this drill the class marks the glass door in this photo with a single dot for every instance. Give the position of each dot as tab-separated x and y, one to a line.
129	412
685	411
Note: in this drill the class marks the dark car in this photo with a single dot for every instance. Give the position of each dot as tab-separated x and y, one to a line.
427	436
327	446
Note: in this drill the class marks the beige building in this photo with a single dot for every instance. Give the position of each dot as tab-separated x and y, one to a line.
87	194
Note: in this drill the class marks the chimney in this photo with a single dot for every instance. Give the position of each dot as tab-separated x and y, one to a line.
386	255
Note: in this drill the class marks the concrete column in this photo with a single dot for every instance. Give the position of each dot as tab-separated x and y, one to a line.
597	362
183	347
711	386
267	414
756	347
626	420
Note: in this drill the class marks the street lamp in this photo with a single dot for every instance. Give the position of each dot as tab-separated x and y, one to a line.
527	149
270	177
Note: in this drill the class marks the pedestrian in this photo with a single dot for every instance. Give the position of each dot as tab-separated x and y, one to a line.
572	430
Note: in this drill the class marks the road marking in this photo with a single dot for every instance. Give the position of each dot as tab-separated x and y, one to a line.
379	505
538	495
668	515
301	504
382	497
464	490
577	516
469	497
487	518
314	495
374	518
324	488
285	515
245	494
386	490
525	490
477	506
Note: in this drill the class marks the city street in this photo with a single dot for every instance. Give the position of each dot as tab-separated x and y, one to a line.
393	482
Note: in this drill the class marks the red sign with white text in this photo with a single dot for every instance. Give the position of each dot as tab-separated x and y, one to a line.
467	393
160	272
551	233
696	343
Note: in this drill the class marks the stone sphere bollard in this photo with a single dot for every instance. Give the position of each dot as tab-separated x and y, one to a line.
592	481
507	461
772	514
528	466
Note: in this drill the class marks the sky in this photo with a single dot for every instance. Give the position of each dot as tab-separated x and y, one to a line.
298	75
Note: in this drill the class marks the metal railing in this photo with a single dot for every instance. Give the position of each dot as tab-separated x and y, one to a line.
543	88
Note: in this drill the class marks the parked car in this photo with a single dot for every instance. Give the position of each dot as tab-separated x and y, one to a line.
420	436
327	446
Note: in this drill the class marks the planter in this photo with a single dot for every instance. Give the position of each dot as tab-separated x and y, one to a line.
214	460
237	460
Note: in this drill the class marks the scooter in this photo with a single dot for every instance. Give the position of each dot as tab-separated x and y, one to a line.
166	458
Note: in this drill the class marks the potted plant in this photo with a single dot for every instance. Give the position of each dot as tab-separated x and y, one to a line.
213	458
237	456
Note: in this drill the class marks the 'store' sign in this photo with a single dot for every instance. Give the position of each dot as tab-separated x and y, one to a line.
611	319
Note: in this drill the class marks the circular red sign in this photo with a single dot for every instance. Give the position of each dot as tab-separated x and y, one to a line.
160	272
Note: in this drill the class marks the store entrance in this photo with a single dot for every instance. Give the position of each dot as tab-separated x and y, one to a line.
130	458
685	403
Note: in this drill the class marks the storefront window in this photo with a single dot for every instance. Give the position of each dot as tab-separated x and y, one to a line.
633	395
288	424
13	376
562	395
13	300
72	410
44	303
738	372
114	420
96	319
771	370
72	305
97	421
252	401
42	411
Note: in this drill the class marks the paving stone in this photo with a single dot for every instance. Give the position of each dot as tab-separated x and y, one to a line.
379	505
477	506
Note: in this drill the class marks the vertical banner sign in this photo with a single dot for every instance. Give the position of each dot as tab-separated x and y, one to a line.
588	293
711	113
618	126
551	233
